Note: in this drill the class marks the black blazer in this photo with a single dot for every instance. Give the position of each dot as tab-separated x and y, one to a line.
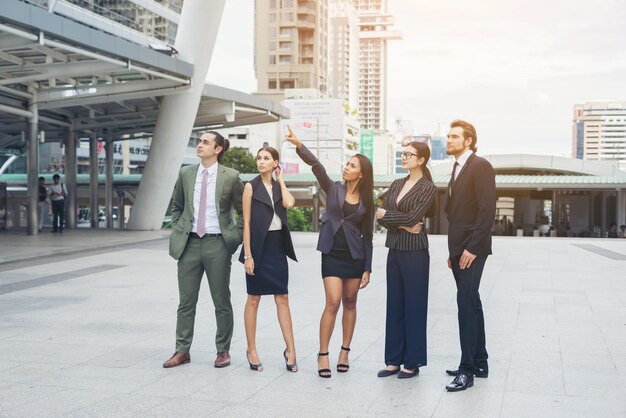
261	214
407	212
358	227
471	208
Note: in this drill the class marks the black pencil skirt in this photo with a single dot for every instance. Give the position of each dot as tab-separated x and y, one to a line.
339	262
271	273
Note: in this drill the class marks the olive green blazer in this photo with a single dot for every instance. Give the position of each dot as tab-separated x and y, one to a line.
228	193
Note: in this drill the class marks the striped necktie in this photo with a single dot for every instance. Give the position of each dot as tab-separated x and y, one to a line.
201	229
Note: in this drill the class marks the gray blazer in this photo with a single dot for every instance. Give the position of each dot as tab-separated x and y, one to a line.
228	194
358	227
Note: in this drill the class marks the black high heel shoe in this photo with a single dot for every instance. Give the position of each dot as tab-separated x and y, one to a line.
290	367
255	367
325	373
342	368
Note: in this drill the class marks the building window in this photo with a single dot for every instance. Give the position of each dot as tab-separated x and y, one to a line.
272	59
271	84
287	84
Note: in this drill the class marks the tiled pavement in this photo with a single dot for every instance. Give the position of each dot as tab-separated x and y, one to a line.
87	318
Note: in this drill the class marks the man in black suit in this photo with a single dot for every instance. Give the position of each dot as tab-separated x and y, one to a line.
471	209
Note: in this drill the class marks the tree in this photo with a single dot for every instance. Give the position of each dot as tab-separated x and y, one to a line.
299	219
240	159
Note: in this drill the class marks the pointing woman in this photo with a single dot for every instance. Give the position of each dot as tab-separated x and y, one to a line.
345	241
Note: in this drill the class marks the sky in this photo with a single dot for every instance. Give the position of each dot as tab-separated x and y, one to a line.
513	69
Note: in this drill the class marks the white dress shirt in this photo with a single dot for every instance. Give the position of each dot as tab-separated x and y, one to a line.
212	222
461	161
276	224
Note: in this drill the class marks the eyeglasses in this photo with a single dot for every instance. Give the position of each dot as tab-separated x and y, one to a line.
407	155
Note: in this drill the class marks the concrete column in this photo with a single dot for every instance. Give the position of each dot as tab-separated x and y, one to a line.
195	41
120	204
316	213
33	164
620	210
603	225
93	180
108	183
70	179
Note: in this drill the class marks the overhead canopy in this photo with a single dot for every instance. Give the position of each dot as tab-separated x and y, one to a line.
92	82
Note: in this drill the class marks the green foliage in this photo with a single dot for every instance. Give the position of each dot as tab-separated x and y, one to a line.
241	160
299	219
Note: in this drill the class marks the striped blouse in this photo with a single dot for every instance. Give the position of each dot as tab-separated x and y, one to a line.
408	212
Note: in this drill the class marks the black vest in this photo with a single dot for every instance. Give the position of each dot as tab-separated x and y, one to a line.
261	215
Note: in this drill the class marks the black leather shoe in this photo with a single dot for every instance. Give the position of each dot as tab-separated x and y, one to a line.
387	373
408	375
478	373
460	382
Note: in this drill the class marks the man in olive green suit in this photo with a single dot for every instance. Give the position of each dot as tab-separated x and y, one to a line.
204	236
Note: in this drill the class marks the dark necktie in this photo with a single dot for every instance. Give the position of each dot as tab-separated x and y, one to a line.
452	178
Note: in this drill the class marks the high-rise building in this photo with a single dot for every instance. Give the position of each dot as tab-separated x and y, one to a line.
290	46
375	30
599	132
344	53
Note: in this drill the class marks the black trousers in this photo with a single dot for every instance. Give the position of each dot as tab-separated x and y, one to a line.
58	214
407	308
471	320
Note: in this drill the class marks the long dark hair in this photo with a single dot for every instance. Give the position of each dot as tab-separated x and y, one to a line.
366	191
220	141
423	151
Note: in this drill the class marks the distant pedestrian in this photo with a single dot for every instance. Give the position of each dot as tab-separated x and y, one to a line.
266	246
58	193
622	230
471	209
42	203
613	231
204	237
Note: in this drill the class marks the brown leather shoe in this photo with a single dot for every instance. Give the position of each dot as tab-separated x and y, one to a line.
177	359
222	359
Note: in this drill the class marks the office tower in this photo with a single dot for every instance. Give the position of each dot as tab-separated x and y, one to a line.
599	132
290	50
344	53
375	30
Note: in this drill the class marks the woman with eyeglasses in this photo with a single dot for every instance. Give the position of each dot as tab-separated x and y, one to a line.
345	241
408	201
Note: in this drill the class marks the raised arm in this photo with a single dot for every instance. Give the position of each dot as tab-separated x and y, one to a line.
288	200
310	159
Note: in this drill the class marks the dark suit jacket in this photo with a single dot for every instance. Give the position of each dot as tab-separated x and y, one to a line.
228	192
471	208
358	227
261	215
